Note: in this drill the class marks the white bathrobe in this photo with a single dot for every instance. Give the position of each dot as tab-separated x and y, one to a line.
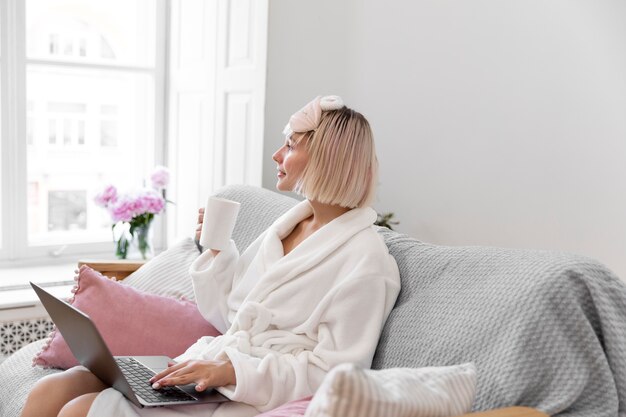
288	319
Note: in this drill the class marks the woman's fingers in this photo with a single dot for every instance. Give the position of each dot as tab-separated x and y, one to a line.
167	372
181	374
180	379
202	384
200	220
203	373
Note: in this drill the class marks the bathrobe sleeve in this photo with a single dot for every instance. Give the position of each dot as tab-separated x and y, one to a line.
348	331
212	278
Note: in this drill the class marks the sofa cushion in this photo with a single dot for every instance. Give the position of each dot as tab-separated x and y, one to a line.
350	391
119	311
167	274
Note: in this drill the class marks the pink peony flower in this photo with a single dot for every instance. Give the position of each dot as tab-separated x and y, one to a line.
151	202
139	206
107	196
160	177
123	209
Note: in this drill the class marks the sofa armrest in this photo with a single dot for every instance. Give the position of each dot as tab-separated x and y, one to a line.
118	269
508	412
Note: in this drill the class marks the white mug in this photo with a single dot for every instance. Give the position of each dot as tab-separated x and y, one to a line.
218	223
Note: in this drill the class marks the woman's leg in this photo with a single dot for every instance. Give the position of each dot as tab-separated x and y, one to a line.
51	393
78	407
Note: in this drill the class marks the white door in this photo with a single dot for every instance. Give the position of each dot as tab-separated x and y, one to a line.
216	101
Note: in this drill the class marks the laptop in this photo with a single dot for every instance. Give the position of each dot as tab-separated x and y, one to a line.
128	374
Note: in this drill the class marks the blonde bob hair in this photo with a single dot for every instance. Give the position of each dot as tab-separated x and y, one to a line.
342	167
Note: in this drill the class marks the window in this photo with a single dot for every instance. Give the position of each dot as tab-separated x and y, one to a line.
84	81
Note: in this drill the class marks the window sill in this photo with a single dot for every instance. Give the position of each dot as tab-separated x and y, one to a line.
18	300
14	278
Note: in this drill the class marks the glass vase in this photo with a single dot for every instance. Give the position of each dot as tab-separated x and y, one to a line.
133	240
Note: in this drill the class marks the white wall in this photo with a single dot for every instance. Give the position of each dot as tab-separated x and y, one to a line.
308	54
497	122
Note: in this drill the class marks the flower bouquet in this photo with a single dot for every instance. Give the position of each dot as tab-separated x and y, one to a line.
132	214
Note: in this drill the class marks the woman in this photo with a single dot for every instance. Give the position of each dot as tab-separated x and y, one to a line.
313	291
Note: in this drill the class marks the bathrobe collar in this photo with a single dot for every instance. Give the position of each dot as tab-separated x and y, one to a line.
276	269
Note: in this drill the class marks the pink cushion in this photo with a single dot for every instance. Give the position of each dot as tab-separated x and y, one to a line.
131	322
291	409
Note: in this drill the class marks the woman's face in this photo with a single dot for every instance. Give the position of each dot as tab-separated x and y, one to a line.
291	159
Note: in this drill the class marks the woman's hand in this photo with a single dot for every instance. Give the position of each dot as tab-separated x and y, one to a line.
205	374
199	226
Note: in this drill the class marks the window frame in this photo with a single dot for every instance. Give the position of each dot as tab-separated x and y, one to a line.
14	249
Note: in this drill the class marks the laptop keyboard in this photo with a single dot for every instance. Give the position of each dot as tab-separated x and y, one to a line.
138	376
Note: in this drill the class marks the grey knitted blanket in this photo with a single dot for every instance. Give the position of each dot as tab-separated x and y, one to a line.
545	329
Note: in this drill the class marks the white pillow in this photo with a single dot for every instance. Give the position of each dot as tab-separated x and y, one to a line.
349	391
168	273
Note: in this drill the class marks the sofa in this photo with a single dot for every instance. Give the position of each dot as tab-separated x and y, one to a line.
546	330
